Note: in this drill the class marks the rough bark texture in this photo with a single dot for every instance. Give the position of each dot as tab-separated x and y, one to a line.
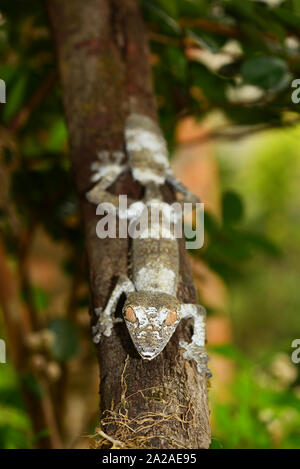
105	74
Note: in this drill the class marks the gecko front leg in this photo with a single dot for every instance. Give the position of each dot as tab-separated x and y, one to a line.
188	196
105	173
195	350
106	316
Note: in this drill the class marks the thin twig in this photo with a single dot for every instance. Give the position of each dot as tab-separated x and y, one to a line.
109	438
21	118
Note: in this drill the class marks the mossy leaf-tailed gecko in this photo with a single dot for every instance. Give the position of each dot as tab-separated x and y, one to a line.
151	310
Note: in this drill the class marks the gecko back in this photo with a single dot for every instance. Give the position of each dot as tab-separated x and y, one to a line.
147	150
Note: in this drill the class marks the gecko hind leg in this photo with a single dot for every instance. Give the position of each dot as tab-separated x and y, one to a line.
195	350
106	316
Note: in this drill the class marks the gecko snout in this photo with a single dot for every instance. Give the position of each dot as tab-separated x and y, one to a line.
147	346
148	354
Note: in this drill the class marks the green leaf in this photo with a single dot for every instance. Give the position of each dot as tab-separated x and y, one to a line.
288	17
175	60
206	41
192	8
229	351
245	11
230	70
13	417
266	72
212	86
15	96
7	72
40	298
262	242
232	208
171	8
32	385
296	6
66	343
164	16
8	377
57	136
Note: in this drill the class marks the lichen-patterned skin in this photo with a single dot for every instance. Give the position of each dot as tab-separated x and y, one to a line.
151	310
147	150
150	332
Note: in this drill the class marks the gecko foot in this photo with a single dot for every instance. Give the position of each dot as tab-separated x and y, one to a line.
100	329
106	317
197	353
104	325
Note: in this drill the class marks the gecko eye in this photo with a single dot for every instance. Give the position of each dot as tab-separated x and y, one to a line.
130	314
171	318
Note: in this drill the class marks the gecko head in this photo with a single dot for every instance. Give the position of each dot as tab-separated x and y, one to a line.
151	319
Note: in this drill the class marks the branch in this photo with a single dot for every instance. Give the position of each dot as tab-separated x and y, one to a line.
211	26
105	74
228	133
21	118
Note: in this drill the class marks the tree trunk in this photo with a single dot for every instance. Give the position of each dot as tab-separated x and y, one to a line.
105	73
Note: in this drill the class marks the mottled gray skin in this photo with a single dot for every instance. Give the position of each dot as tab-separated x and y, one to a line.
151	310
149	333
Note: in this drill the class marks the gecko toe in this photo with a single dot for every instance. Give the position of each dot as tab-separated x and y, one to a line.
96	338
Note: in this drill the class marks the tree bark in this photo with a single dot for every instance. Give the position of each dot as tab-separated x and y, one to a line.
105	74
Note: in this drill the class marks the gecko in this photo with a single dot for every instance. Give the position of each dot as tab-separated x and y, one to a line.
151	310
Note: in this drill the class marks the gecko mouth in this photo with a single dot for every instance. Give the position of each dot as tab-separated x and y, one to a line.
148	354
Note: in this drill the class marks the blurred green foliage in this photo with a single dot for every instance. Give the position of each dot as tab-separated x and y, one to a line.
14	423
267	58
268	180
66	344
265	301
229	245
255	246
263	410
